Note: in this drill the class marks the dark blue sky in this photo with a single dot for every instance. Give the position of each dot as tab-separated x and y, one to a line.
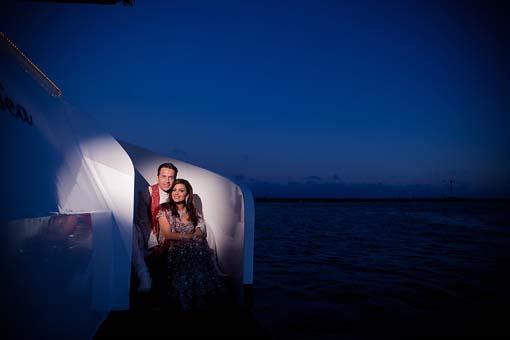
297	98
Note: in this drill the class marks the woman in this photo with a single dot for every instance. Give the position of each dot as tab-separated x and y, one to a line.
192	279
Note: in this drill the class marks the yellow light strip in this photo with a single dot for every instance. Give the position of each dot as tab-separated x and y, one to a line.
55	90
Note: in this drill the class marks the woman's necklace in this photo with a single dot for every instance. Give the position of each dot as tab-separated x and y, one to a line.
182	214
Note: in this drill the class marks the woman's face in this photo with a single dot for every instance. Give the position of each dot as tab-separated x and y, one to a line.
179	193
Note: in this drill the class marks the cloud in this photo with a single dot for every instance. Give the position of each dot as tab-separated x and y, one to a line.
366	190
316	187
313	178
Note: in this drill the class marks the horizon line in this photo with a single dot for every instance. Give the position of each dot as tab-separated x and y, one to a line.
384	199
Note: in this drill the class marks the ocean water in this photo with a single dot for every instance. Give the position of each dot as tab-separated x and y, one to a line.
383	270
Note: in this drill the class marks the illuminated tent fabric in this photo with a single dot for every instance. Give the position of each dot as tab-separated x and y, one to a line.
66	211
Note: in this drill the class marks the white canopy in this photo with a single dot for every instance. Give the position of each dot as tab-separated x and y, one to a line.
67	210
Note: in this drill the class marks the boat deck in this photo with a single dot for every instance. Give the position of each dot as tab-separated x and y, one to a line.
225	322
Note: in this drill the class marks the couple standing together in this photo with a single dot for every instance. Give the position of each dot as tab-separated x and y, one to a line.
171	256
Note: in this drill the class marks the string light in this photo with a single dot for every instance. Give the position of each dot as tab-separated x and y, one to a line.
54	88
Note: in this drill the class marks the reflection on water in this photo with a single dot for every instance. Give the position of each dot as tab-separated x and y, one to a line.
382	270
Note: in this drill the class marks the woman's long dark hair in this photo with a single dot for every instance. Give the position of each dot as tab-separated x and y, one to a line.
188	204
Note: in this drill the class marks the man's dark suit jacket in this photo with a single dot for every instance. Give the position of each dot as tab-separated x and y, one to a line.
143	214
142	211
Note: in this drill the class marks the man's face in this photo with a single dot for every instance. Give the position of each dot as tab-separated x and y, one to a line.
166	178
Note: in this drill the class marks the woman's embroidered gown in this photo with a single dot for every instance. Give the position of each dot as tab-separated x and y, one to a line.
193	281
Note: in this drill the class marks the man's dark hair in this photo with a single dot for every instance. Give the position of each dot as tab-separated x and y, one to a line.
169	166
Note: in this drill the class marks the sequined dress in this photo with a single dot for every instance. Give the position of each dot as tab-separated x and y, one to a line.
193	281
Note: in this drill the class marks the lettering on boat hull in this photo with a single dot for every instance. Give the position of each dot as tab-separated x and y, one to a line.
17	111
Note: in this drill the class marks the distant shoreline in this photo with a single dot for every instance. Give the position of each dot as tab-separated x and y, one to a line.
391	199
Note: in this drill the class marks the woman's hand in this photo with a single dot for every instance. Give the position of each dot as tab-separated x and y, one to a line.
198	234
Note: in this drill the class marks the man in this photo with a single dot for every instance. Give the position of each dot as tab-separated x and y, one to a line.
144	232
